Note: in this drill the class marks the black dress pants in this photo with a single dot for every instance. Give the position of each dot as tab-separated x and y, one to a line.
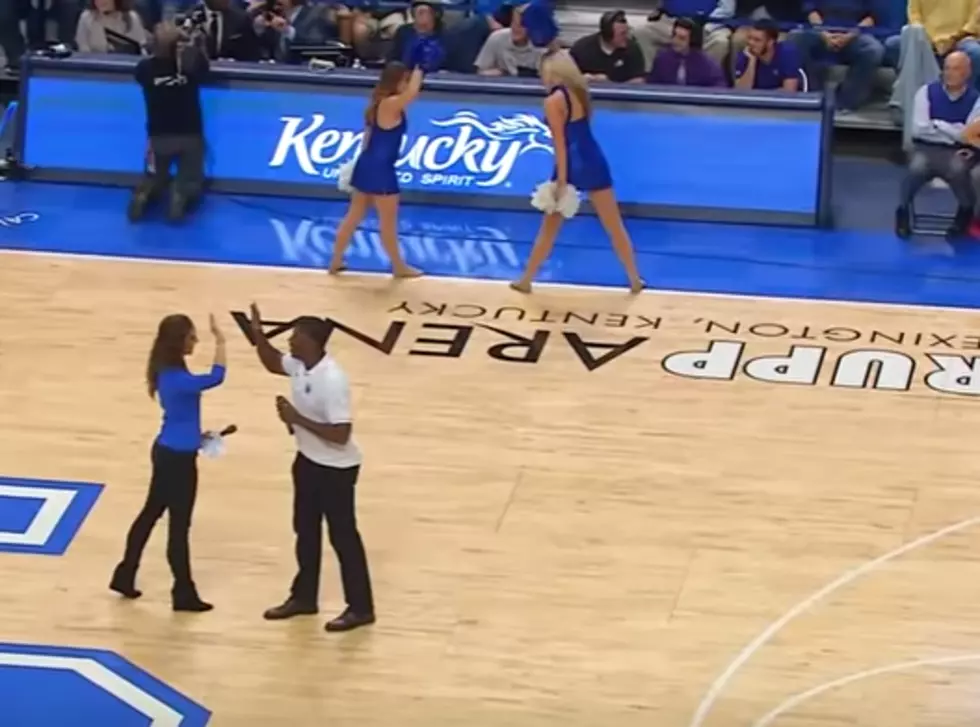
319	492
173	489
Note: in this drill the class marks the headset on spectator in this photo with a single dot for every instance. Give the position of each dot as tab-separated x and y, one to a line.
607	23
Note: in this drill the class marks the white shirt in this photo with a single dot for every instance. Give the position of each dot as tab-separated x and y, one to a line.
924	128
322	395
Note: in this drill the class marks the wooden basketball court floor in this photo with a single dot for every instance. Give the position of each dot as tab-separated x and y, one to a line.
633	545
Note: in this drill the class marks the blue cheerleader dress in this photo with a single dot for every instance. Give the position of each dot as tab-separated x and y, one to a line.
374	171
588	170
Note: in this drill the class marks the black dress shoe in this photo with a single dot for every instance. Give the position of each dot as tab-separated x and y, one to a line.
289	609
191	605
349	620
124	584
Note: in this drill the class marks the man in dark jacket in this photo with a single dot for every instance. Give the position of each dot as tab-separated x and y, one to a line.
171	80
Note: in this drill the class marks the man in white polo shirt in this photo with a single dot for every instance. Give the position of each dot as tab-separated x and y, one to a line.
324	472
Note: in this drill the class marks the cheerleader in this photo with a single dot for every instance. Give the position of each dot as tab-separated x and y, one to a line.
579	162
371	179
173	484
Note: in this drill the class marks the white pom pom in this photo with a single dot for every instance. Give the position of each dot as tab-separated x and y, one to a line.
344	175
213	445
544	199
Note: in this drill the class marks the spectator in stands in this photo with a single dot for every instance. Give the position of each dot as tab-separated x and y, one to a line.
719	36
374	31
836	36
64	13
685	63
294	22
11	39
426	27
943	110
509	52
229	31
611	54
465	39
101	27
766	63
949	25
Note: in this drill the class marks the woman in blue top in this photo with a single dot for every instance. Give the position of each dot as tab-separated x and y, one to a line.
173	485
579	162
374	180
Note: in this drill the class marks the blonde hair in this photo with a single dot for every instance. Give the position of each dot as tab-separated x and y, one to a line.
559	68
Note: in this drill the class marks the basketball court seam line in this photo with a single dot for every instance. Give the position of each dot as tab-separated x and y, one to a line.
485	281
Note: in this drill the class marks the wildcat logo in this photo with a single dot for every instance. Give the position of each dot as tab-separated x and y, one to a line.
464	151
463	249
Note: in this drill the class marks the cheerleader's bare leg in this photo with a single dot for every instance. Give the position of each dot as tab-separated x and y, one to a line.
605	205
387	207
543	244
356	212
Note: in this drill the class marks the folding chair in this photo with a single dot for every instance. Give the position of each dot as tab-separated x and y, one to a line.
929	223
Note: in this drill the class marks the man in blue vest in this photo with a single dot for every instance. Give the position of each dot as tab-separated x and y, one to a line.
943	110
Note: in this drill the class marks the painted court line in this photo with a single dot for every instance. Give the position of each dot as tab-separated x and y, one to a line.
716	689
55	505
798	699
490	281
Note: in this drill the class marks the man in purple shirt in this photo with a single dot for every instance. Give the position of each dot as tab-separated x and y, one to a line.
837	34
766	64
684	63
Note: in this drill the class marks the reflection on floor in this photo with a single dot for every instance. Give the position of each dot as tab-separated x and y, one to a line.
855	265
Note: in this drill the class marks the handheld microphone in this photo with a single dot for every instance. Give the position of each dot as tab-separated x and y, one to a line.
212	444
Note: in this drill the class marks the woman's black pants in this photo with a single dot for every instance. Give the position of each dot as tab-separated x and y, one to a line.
173	489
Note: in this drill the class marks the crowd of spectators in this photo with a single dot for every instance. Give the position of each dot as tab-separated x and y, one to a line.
780	45
762	44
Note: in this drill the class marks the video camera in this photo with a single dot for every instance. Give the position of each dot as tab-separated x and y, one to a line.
270	9
196	19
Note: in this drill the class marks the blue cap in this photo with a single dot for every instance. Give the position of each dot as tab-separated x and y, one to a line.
538	19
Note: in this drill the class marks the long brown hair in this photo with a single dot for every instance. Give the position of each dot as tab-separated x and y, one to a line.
168	348
391	78
558	65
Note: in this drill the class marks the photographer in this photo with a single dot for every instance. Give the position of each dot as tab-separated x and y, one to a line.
171	80
281	24
227	29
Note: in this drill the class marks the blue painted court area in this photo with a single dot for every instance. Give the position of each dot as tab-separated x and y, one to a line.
17	513
868	265
42	517
46	686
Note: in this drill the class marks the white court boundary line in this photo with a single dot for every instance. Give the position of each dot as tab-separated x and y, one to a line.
718	686
486	281
798	699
